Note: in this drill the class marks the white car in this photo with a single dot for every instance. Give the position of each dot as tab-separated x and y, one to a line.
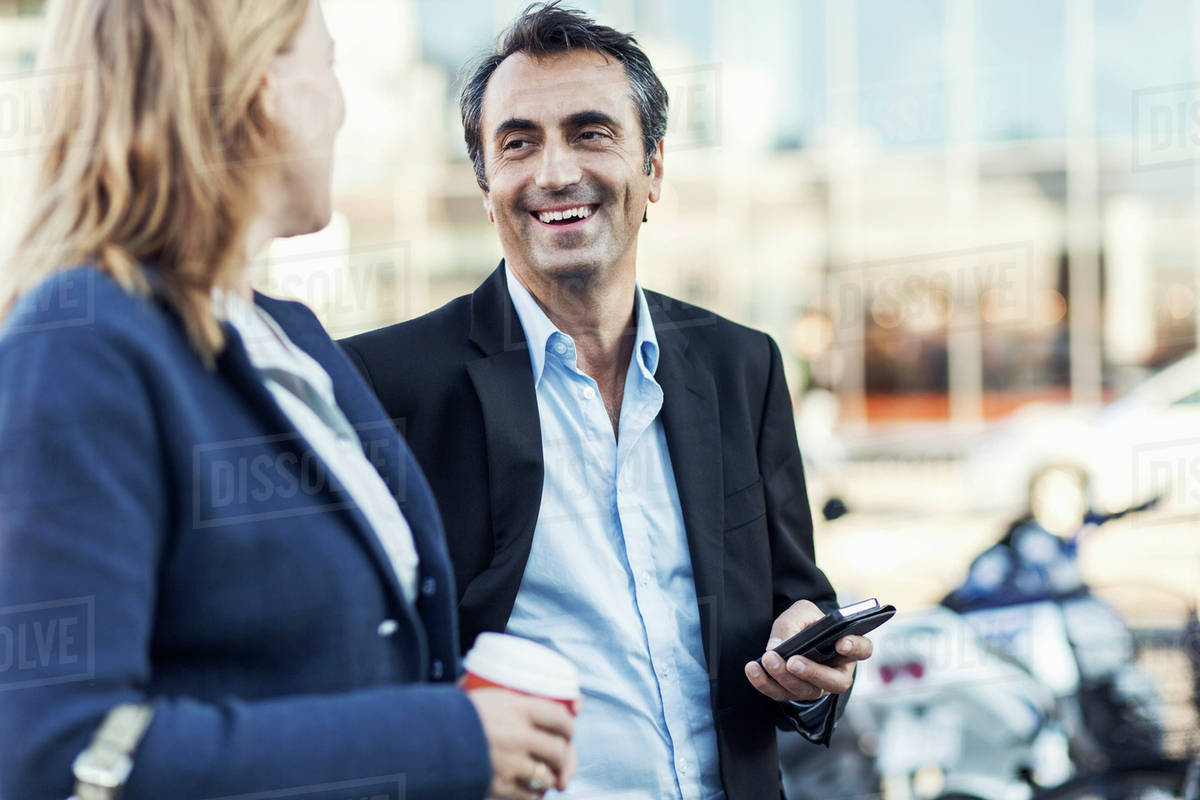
1058	461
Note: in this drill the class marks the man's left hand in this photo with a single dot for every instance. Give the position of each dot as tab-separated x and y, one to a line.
802	679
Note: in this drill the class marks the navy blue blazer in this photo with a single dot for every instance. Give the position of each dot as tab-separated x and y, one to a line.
166	535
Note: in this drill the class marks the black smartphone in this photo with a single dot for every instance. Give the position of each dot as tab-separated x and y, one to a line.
819	640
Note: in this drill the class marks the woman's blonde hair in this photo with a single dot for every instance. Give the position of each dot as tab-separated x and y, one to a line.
153	147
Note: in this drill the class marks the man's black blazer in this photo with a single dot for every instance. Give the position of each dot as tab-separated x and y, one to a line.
459	384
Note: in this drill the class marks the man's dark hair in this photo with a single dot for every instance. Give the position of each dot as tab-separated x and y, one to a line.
546	29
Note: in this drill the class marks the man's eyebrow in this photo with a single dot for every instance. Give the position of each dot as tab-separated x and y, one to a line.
514	124
581	118
576	120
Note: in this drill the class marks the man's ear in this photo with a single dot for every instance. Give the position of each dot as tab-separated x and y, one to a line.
656	172
487	205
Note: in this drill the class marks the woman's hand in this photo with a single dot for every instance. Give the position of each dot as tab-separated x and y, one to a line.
529	740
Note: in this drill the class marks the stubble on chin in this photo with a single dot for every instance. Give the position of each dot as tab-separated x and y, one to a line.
571	263
561	279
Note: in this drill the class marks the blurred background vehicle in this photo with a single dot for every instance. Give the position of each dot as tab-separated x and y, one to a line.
1022	683
1060	461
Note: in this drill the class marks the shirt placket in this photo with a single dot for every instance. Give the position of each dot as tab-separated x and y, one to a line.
612	455
650	594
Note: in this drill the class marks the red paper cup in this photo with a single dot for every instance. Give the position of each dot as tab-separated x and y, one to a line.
500	661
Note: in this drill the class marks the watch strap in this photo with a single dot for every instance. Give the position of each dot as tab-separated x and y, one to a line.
103	768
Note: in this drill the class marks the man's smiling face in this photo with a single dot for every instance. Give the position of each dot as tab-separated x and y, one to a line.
564	160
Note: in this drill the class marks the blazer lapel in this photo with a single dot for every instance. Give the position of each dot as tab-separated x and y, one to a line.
503	380
234	362
690	420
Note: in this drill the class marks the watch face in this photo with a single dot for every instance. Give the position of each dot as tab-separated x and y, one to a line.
103	767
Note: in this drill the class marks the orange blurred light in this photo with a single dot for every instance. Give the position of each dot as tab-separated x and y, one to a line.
812	335
1181	301
887	312
1051	307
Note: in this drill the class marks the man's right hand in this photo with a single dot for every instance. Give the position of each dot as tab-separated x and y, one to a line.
528	738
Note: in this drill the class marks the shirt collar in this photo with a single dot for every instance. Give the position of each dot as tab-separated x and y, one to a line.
267	346
540	331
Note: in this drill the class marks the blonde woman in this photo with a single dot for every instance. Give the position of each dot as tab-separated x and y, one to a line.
221	572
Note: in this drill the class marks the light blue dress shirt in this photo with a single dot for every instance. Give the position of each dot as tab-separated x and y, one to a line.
609	580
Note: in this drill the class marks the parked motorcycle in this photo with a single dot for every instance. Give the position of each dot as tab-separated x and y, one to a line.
1021	685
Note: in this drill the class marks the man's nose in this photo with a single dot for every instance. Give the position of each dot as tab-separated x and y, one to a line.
558	168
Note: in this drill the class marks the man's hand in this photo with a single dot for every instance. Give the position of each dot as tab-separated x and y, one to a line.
801	679
529	740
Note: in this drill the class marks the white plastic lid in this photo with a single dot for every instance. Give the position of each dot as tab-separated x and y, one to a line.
523	665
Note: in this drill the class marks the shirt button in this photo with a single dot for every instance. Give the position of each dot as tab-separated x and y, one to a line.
589	393
436	669
683	769
387	628
560	348
428	587
644	579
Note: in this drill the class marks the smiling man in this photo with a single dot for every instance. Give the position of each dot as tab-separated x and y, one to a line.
618	471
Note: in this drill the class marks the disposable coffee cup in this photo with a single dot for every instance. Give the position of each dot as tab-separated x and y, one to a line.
500	661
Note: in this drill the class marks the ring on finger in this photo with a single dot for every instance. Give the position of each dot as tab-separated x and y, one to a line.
535	778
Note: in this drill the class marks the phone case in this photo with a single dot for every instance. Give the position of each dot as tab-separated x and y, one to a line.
817	641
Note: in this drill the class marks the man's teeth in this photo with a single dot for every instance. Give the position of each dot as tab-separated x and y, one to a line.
582	212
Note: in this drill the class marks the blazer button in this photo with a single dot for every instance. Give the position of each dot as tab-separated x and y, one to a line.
388	628
429	586
436	669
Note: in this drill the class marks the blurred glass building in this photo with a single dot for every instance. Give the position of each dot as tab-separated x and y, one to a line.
942	209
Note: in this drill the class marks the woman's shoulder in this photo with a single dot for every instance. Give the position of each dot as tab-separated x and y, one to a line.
79	319
83	301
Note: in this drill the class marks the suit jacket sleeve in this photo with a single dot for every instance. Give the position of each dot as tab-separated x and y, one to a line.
84	517
789	522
